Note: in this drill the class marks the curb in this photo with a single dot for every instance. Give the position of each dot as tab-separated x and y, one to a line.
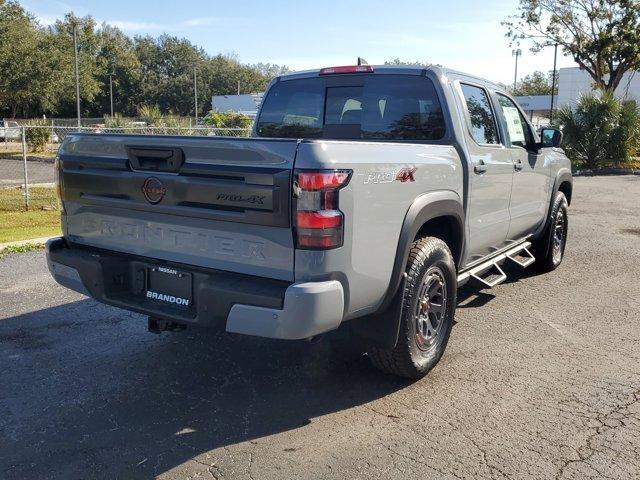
20	243
21	186
606	171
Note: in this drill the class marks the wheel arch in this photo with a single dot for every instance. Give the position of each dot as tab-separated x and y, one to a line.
448	229
563	183
439	214
566	187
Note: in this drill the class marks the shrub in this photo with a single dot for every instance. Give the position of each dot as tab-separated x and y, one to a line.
174	121
150	114
600	131
630	129
37	134
172	125
117	121
227	120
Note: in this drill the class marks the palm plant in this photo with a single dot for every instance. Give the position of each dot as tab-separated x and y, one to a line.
600	130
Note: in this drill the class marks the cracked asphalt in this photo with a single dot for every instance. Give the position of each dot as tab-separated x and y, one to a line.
541	380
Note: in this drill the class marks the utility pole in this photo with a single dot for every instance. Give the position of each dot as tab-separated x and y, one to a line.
238	87
75	52
553	82
516	53
195	93
111	92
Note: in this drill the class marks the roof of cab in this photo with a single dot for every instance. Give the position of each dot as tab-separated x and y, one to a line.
400	69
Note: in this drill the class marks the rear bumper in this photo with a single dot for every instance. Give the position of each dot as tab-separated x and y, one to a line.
309	309
238	303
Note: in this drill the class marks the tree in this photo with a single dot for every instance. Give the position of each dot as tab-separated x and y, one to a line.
117	56
23	62
538	83
167	66
397	61
269	70
37	69
62	71
602	36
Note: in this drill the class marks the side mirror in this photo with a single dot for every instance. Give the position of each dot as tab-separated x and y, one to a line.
550	137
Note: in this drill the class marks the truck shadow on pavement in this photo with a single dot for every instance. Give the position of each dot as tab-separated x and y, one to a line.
101	397
472	294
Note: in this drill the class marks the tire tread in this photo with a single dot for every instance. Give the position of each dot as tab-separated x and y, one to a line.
398	361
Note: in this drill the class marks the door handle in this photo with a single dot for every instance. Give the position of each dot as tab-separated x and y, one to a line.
518	165
480	167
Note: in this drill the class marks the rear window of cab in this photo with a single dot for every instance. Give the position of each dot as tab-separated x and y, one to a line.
388	107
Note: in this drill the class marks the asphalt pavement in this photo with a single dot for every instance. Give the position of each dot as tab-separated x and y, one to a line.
541	380
12	172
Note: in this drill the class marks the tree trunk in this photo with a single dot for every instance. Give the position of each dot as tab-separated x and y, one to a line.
614	79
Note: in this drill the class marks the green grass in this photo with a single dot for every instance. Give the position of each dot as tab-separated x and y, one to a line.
41	220
16	153
27	247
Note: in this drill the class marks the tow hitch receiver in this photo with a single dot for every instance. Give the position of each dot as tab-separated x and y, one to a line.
158	325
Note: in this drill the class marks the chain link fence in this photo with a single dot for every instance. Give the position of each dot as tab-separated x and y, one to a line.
27	154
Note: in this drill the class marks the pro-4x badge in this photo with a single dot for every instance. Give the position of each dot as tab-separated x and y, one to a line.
406	175
403	175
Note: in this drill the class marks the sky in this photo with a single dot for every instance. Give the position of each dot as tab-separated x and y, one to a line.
461	34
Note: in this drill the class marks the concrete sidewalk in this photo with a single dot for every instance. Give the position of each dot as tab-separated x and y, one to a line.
20	243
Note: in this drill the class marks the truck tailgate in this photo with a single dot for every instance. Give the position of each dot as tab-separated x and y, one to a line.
221	203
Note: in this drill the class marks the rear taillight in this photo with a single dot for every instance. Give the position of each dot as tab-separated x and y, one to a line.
318	222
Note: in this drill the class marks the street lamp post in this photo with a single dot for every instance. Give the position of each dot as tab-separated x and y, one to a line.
75	53
553	82
111	92
195	94
516	53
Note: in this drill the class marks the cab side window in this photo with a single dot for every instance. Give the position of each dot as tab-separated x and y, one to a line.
516	125
482	120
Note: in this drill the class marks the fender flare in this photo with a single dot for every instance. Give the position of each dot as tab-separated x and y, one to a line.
382	327
563	175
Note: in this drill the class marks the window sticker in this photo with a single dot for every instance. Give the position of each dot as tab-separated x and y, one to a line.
514	124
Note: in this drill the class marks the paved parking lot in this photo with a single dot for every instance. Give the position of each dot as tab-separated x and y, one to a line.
541	380
12	172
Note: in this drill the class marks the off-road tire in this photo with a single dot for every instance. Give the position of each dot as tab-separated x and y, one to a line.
428	256
547	250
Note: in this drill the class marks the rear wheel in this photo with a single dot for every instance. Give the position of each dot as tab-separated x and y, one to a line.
427	312
549	249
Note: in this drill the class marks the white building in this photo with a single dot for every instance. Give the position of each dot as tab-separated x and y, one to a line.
574	82
246	104
536	107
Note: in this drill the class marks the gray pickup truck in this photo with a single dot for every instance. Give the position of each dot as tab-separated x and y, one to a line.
365	194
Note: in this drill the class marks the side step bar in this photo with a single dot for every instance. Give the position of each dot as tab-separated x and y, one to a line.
489	273
524	257
491	277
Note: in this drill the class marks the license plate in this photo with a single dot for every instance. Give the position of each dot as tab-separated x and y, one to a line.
169	286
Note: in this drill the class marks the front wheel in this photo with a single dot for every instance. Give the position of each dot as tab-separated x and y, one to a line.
427	312
549	249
